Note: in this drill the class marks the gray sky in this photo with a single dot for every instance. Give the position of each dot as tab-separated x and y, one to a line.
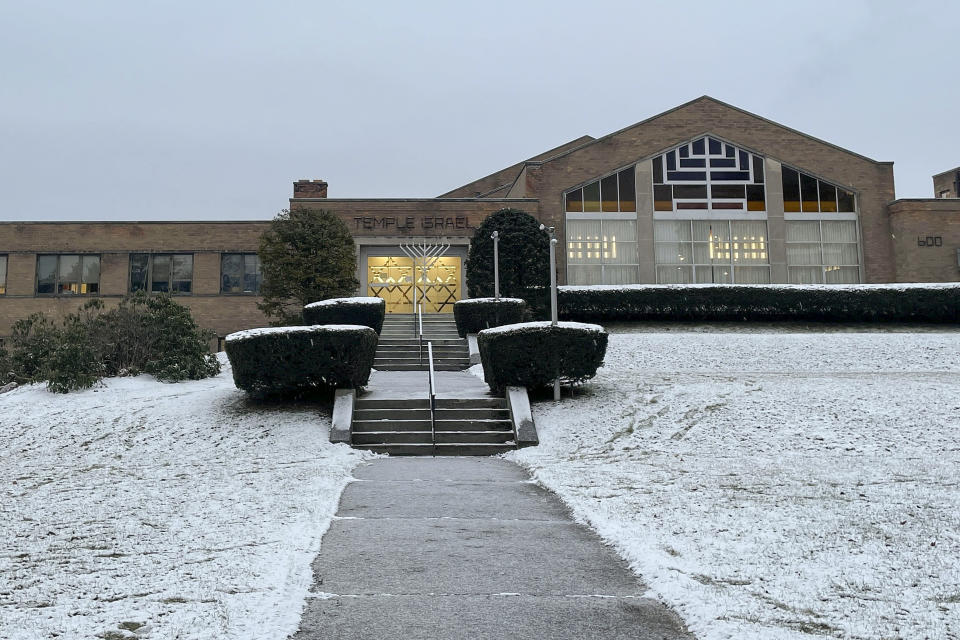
120	110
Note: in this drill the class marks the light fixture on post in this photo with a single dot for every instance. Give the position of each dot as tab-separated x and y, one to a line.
496	265
553	293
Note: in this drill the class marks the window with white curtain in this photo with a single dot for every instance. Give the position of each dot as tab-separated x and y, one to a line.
822	252
711	251
602	251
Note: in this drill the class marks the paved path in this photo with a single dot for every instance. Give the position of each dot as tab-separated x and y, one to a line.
447	548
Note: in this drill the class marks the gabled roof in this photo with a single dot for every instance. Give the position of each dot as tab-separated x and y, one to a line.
685	105
503	179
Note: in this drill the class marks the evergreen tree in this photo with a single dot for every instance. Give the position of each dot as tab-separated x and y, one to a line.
524	252
305	256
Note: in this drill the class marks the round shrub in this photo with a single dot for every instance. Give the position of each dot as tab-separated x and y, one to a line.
366	311
534	354
475	314
291	360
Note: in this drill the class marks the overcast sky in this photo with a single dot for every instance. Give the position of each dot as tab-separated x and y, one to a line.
182	110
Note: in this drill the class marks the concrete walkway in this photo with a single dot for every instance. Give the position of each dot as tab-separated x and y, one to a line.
413	384
447	548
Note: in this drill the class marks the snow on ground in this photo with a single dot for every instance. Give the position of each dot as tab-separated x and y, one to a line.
180	507
773	484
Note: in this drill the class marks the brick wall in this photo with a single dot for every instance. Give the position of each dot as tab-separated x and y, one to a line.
926	238
946	181
114	242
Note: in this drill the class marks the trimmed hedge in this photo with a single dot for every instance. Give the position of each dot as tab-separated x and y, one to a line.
921	303
475	314
533	354
291	360
368	312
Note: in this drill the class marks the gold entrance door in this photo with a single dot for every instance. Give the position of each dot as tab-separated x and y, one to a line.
391	278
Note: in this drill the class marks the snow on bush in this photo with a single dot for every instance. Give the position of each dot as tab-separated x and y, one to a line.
772	485
178	507
921	303
474	314
293	360
368	311
534	354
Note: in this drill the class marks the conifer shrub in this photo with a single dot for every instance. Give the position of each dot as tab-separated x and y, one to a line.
366	311
143	334
915	303
289	361
305	255
534	354
524	252
475	314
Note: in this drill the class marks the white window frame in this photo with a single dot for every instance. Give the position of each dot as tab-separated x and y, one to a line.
820	219
693	264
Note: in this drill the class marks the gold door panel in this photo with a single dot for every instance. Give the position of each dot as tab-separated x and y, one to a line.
391	278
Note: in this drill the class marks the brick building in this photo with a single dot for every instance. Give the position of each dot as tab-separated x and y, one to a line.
705	192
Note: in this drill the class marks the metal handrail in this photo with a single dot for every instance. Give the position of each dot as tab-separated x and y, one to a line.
432	387
419	320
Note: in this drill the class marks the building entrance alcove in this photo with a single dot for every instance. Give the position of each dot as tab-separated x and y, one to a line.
392	277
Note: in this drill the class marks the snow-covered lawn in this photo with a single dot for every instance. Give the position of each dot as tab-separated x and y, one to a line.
773	484
180	507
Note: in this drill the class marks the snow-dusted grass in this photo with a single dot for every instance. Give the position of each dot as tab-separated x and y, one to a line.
773	484
180	507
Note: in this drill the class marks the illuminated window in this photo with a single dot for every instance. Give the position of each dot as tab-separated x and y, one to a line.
711	251
161	272
3	275
822	252
803	192
613	193
708	175
68	274
240	273
602	251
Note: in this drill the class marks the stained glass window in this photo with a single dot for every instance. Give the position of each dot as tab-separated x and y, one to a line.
805	193
708	175
612	193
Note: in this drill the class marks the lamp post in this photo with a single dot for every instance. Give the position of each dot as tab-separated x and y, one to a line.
496	265
553	294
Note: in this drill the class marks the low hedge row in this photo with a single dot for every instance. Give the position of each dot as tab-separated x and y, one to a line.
934	303
475	314
366	311
291	360
534	354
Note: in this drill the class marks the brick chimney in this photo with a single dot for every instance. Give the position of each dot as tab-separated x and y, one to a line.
310	189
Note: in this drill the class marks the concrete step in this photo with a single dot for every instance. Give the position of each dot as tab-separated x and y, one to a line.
414	353
390	360
417	367
453	413
392	437
371	426
447	449
474	437
413	342
437	348
422	403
